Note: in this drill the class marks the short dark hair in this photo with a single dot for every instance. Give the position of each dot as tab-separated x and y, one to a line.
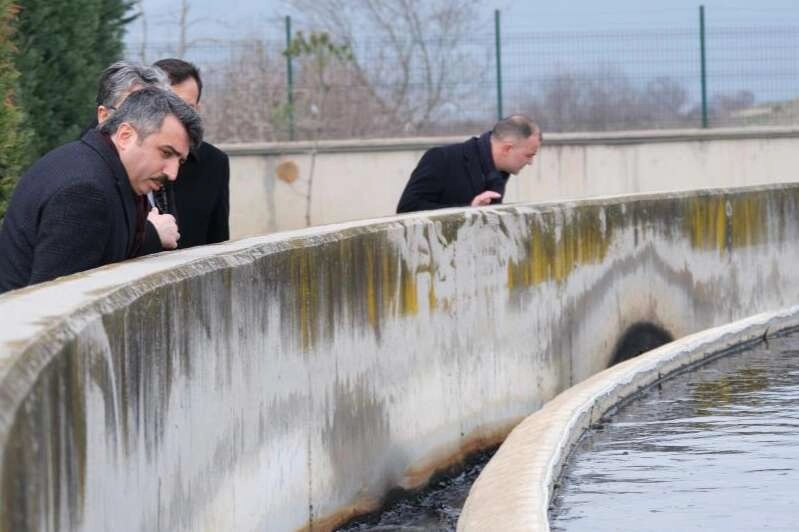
179	71
516	127
146	109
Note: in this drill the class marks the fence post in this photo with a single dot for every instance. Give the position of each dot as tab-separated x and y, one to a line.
704	64
498	47
289	80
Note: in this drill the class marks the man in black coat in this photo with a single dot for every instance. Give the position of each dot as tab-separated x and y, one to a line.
474	172
80	206
116	82
202	191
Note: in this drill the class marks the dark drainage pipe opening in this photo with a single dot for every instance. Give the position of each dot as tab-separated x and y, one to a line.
638	339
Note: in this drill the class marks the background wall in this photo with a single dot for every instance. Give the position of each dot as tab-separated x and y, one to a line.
291	380
364	179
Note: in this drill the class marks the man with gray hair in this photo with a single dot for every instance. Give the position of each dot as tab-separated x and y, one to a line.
78	207
474	172
122	78
116	82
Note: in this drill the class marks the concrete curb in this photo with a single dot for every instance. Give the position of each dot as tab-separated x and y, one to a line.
514	490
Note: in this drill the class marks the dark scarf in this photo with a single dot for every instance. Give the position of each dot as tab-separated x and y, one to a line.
494	179
141	212
142	208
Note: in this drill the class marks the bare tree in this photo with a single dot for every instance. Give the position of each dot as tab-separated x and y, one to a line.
245	97
181	16
605	99
562	102
408	55
664	101
612	101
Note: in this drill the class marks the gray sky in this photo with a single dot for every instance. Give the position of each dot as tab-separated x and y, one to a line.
250	18
768	66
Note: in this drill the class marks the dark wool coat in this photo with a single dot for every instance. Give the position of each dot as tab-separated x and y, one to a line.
446	176
72	210
202	197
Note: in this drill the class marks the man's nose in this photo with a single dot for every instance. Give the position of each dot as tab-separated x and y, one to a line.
171	169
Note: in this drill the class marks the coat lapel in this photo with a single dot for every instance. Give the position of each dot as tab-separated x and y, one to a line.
95	140
472	162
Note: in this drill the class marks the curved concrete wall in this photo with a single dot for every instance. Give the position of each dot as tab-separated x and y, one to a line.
514	490
359	179
289	381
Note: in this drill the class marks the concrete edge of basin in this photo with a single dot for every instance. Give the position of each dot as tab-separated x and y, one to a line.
514	490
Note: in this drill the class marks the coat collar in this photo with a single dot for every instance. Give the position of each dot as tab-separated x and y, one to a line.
472	159
105	149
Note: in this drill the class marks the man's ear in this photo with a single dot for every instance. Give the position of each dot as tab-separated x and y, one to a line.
125	135
103	113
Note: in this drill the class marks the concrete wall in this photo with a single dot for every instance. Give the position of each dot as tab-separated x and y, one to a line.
290	380
354	180
514	490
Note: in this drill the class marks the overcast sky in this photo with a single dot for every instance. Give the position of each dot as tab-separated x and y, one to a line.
250	18
765	62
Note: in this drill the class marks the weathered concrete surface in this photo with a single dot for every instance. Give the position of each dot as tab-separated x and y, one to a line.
288	381
514	489
357	179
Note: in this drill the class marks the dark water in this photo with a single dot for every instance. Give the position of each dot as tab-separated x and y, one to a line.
716	448
436	508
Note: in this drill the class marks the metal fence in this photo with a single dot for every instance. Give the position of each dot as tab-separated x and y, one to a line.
568	81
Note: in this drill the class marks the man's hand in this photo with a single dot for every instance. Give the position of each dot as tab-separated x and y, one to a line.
166	227
484	198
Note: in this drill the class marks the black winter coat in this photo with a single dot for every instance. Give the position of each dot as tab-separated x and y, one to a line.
446	176
73	210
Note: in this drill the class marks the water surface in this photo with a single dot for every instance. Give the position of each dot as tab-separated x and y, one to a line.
716	448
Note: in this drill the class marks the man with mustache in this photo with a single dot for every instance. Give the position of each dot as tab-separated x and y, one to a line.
115	84
76	207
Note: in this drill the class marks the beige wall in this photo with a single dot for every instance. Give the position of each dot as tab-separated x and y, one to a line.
363	179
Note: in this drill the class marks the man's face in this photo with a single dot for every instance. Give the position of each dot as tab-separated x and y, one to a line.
188	91
519	153
152	160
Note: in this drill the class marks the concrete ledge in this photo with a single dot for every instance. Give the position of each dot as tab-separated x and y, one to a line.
291	381
514	490
552	139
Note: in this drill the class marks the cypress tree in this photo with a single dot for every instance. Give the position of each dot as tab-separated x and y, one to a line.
12	137
63	47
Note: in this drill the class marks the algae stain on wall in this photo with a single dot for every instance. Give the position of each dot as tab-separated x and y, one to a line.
334	286
556	245
723	222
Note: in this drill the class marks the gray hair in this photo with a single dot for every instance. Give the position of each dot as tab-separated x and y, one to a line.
146	109
124	77
515	127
